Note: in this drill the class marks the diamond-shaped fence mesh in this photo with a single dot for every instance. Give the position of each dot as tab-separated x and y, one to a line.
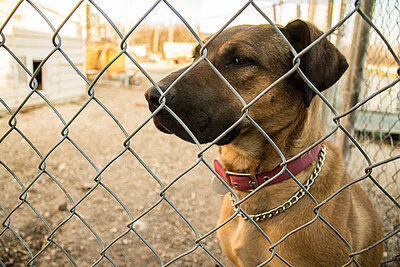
92	182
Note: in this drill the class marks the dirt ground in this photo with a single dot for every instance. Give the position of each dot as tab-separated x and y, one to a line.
99	217
67	213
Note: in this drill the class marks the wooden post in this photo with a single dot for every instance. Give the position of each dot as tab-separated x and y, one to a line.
156	36
171	32
298	10
330	94
330	16
311	10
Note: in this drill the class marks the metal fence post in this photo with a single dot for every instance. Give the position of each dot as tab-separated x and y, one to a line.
355	77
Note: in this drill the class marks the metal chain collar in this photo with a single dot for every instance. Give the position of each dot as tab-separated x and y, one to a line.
292	200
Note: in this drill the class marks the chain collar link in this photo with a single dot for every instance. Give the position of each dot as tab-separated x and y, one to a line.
292	200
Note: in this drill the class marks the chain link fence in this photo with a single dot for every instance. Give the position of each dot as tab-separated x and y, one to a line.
94	183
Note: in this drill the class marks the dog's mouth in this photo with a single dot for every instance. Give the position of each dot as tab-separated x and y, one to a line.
202	130
160	126
229	137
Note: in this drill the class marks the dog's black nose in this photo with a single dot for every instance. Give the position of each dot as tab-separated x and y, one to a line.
153	97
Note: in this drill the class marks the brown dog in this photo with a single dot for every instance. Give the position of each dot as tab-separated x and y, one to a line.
251	58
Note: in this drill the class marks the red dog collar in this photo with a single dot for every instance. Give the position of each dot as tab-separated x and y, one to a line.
246	181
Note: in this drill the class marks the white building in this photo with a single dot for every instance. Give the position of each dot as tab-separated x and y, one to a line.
29	38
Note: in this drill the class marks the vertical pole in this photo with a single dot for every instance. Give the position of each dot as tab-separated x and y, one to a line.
171	32
298	10
355	77
88	23
341	29
331	94
330	15
126	17
156	35
279	19
311	10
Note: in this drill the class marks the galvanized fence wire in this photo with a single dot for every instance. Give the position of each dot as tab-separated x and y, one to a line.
199	240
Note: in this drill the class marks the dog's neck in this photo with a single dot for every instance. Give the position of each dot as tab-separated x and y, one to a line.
252	153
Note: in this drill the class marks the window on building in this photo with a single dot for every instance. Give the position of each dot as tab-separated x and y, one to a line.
36	64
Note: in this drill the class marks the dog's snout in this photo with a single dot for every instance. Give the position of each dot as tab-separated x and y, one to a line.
152	96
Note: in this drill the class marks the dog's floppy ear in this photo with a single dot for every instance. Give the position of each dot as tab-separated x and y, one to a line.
323	64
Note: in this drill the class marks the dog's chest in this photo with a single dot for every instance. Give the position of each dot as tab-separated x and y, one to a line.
248	244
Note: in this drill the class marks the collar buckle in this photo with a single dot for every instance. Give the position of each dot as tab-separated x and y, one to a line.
253	182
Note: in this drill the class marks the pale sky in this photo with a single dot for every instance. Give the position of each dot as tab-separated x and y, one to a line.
209	15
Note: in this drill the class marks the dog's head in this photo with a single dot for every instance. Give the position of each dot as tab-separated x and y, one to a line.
250	58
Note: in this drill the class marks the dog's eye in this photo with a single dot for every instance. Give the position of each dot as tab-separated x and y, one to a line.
241	61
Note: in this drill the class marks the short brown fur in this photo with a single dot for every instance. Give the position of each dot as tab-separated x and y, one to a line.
290	114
